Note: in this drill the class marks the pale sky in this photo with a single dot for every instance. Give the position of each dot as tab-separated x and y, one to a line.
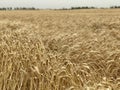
57	3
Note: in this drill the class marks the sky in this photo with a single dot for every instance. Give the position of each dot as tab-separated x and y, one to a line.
43	4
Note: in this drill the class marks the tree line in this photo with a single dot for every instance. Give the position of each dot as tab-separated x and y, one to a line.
115	7
86	7
18	8
33	8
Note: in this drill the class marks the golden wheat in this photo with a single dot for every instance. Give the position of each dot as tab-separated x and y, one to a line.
60	50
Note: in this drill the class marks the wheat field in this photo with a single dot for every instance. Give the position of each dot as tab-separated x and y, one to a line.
60	50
